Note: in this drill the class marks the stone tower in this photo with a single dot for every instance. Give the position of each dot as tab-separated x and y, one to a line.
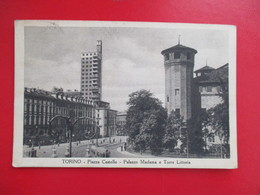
179	64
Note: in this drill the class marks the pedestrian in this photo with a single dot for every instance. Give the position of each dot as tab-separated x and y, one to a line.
121	148
125	146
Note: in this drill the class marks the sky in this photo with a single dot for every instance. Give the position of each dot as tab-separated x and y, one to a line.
132	57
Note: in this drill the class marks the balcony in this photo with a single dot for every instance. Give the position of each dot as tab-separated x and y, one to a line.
95	84
95	76
96	96
95	89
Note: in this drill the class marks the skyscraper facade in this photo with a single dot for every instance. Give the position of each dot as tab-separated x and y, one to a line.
91	77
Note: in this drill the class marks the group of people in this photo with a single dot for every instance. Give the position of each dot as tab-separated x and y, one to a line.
123	147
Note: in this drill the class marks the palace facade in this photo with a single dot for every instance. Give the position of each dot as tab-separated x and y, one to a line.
41	106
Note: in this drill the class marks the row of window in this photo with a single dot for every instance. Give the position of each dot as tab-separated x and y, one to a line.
87	58
92	78
85	86
48	109
83	66
89	54
94	81
86	62
37	113
87	89
89	77
87	70
210	89
35	101
87	82
86	73
89	66
44	119
177	55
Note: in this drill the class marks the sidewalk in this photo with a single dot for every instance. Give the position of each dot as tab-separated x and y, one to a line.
78	149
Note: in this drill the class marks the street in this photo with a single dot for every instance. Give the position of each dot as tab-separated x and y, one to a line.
113	145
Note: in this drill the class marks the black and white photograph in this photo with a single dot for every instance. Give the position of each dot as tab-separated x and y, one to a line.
124	94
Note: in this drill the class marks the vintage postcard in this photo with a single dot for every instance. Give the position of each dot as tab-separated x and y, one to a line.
124	94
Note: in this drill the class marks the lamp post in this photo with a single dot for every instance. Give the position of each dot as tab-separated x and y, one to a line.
70	127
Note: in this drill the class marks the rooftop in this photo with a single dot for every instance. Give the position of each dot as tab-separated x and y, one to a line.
215	76
179	47
205	68
55	95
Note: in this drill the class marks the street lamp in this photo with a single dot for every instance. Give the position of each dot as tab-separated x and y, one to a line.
70	127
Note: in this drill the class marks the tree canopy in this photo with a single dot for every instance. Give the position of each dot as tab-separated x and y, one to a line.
145	121
173	130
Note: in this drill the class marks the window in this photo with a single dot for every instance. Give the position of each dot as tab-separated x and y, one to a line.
177	111
168	99
209	89
166	56
200	89
177	91
219	89
177	55
30	119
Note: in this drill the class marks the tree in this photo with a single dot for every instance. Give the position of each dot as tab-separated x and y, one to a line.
194	135
220	123
57	89
173	130
145	122
219	118
205	125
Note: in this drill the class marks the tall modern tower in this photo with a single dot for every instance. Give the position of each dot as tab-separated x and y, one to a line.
179	64
91	77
